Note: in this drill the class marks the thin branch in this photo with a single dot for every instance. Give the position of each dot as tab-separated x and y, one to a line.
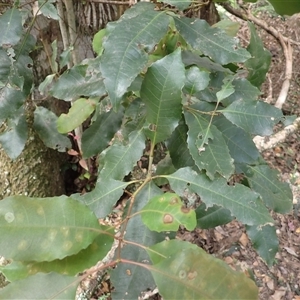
288	54
247	16
264	143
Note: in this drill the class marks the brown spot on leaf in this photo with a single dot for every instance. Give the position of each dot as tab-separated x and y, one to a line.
168	219
185	210
192	275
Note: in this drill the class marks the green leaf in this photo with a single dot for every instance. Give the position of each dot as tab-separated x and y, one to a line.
255	117
81	80
164	166
45	125
44	229
166	212
207	144
11	27
287	7
190	58
259	64
10	102
196	80
120	158
97	137
130	280
180	4
177	145
103	197
231	28
161	92
78	113
125	51
42	286
211	41
212	217
240	144
276	195
244	204
14	138
227	88
98	41
188	272
70	265
48	9
5	62
265	241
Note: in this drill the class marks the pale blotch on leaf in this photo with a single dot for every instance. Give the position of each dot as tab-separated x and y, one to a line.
67	245
182	274
65	231
162	199
192	275
22	245
40	211
9	217
79	236
52	234
174	201
168	219
185	210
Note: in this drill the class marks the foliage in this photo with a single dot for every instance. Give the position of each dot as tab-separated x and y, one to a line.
160	81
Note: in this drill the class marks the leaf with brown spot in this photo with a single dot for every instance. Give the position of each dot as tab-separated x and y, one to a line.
166	212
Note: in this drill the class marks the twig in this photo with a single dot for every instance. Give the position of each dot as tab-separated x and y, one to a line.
288	54
246	16
264	143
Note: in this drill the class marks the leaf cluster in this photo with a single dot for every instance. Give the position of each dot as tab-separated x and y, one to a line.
159	79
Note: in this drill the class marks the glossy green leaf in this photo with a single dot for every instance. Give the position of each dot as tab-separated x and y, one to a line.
188	272
78	113
166	212
161	92
180	4
130	280
196	80
42	287
207	146
244	204
164	166
14	138
120	158
259	64
11	27
227	88
70	265
211	41
240	144
97	137
45	125
255	117
276	195
177	146
44	229
265	241
103	197
212	217
125	51
81	80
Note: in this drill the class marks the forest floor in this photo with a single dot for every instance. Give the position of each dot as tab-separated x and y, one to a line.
230	242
